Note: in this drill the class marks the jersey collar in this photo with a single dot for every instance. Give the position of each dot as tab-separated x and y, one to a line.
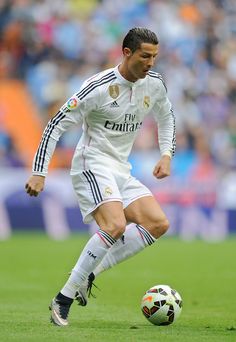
123	80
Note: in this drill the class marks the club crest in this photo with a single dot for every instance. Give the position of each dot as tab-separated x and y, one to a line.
108	191
114	91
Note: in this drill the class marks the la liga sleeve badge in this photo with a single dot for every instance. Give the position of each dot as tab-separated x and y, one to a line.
72	103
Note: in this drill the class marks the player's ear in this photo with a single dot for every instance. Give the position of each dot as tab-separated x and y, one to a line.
127	52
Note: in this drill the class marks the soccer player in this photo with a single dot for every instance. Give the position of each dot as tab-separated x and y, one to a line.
111	107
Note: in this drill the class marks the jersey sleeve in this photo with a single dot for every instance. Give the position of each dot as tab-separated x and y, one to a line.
165	118
69	115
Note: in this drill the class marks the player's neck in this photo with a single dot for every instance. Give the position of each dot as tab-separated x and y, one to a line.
126	74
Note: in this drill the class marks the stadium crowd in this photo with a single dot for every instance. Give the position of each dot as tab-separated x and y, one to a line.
54	45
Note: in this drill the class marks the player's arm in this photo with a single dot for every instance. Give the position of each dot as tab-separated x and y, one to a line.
61	122
166	134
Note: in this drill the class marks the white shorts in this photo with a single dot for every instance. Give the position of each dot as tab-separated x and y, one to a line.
100	184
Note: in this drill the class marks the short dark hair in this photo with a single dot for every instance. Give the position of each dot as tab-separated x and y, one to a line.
138	35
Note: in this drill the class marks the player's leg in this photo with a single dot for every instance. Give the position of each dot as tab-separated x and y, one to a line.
107	209
147	213
150	224
111	220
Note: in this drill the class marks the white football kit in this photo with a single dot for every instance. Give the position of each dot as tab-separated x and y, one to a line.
111	110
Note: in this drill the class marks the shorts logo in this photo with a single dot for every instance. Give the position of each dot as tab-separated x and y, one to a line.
146	102
108	191
114	91
72	103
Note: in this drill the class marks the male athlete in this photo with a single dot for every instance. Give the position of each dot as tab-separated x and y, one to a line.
111	107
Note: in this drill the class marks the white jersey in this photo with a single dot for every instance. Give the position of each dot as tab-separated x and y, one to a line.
111	110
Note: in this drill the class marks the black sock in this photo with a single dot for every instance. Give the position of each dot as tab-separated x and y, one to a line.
63	299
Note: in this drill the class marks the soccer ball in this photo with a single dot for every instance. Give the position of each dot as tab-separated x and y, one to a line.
161	305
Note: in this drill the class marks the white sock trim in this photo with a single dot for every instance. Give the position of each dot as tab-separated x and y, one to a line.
146	236
106	238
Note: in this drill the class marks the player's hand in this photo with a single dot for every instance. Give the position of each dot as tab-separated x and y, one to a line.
162	168
35	185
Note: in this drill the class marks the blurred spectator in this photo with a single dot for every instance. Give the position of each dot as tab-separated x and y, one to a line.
8	154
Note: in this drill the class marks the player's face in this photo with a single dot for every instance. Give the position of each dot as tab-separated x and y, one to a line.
140	61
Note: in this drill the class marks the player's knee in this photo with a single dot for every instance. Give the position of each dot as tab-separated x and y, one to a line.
164	226
160	228
117	228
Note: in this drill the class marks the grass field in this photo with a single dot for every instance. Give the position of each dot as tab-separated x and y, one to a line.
33	268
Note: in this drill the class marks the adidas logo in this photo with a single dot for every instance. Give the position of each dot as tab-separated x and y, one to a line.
114	105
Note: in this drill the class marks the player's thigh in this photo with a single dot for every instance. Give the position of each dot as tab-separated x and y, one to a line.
110	218
139	203
147	212
93	188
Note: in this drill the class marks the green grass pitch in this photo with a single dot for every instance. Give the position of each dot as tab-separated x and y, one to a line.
33	268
